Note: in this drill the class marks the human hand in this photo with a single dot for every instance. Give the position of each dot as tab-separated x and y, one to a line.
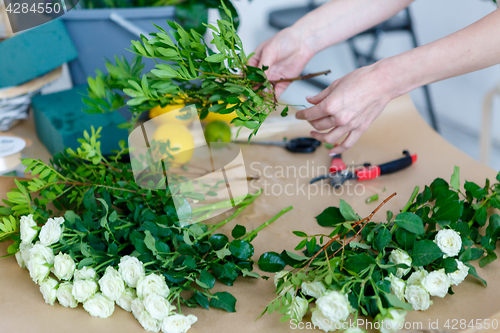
348	106
286	55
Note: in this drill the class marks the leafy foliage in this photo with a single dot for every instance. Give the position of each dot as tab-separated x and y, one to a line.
108	215
188	71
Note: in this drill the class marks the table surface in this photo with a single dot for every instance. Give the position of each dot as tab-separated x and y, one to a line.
400	127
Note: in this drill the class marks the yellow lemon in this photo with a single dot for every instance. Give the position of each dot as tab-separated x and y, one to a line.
167	116
212	116
179	137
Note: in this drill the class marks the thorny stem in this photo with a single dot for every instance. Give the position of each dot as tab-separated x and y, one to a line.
302	77
364	221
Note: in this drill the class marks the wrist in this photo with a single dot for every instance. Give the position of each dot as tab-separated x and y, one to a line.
396	78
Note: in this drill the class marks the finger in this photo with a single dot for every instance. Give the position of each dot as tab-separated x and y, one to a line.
280	88
323	94
332	136
254	60
313	113
323	123
348	143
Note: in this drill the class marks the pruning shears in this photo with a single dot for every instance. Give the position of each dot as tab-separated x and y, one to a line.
297	145
339	173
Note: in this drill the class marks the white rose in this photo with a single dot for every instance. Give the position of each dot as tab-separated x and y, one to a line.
48	288
437	283
111	283
40	253
279	276
178	323
39	270
400	257
99	305
64	295
22	255
392	322
52	231
354	330
335	306
418	297
143	317
152	284
397	286
157	306
131	270
299	308
86	273
314	289
460	274
416	277
320	321
28	229
125	300
449	242
64	266
83	289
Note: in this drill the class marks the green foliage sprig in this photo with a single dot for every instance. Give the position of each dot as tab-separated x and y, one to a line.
108	216
358	257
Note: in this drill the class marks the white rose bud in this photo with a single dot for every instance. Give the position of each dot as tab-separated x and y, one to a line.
152	284
460	274
392	322
64	295
64	266
28	228
83	289
100	306
449	242
354	330
143	317
437	283
299	308
111	283
418	297
279	276
320	321
22	255
178	323
131	270
39	270
48	288
125	300
314	289
157	306
52	231
400	257
86	273
416	277
397	286
335	306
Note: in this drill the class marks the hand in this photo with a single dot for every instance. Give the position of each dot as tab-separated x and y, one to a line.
348	106
286	55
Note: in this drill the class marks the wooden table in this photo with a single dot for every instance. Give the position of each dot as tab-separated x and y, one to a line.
399	128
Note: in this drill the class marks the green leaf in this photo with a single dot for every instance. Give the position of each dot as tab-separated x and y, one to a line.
449	212
450	265
202	300
296	256
481	216
271	262
238	231
299	233
149	241
241	249
207	279
455	178
284	113
302	244
330	217
218	57
223	300
347	211
425	252
410	222
382	239
490	257
358	262
405	238
471	253
397	303
473	272
437	186
218	241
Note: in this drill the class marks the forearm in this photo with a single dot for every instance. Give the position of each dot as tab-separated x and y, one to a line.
339	20
470	49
